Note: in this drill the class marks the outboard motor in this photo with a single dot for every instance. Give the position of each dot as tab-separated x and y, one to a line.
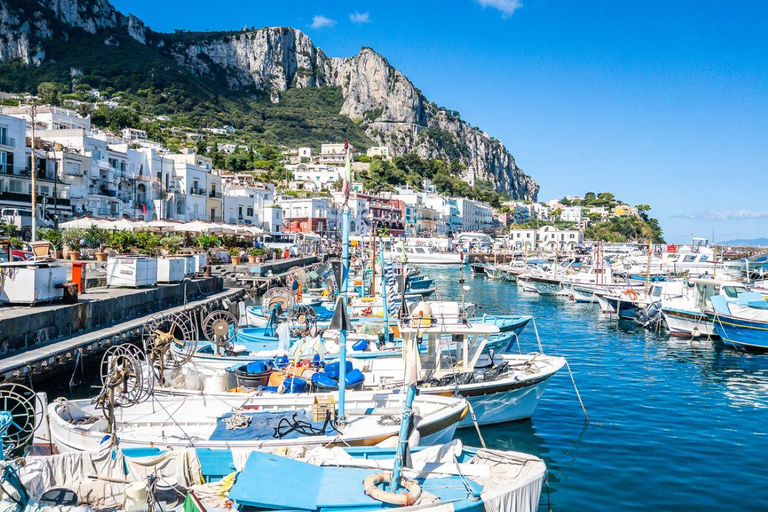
650	315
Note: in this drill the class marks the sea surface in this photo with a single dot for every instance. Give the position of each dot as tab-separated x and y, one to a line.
674	424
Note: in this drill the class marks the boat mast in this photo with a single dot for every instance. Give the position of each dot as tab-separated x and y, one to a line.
344	287
648	267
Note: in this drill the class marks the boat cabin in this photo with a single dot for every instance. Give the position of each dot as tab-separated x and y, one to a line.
450	349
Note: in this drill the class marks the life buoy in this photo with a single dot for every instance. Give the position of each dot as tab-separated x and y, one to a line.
406	499
632	294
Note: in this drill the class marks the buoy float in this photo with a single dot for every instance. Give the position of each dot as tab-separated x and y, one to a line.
405	499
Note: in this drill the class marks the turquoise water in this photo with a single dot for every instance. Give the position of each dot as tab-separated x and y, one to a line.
674	425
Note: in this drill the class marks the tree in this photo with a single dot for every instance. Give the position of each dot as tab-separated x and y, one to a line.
605	196
49	93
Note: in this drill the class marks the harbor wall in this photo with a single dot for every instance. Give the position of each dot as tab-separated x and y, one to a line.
25	328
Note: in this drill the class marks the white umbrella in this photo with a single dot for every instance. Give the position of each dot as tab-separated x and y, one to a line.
123	225
81	223
162	225
198	226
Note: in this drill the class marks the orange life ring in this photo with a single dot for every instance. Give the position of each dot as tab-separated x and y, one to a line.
632	294
406	499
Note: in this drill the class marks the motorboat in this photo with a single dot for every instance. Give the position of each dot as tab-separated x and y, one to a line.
742	323
687	313
423	256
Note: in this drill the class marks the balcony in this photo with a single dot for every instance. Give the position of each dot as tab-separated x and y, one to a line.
8	141
214	195
197	191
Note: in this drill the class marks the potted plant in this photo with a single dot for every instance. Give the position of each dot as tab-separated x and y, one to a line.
277	252
235	255
147	242
206	241
16	242
253	255
96	238
123	241
54	237
171	243
73	238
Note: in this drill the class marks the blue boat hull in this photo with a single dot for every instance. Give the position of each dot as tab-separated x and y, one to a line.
741	333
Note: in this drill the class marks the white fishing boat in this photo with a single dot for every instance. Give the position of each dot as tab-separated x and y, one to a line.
423	256
250	421
500	387
686	314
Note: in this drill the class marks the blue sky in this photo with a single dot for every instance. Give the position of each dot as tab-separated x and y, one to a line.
664	103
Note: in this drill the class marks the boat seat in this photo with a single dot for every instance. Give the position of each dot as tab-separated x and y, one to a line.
268	481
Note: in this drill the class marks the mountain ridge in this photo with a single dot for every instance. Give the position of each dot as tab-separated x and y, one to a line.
377	97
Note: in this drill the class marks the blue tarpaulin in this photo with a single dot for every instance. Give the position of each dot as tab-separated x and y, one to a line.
263	426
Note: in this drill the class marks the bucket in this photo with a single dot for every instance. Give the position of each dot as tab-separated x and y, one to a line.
135	497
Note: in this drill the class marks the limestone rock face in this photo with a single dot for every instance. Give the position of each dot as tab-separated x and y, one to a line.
20	26
395	112
272	58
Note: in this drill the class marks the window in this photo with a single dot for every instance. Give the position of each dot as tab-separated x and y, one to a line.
15	186
689	258
734	291
249	212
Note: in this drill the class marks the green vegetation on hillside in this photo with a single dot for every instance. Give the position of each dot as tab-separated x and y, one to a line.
411	170
149	82
620	228
625	229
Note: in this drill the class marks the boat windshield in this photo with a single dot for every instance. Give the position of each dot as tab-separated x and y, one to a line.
734	291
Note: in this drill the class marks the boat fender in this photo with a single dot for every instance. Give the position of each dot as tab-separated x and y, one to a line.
354	378
292	385
332	369
281	361
323	381
406	499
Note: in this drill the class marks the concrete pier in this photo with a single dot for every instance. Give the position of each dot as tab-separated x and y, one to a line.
36	340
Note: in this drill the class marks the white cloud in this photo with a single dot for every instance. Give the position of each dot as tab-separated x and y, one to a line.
357	17
321	21
726	215
507	7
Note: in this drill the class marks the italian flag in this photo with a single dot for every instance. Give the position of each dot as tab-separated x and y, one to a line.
192	503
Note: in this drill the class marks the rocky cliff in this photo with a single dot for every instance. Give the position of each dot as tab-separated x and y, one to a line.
393	111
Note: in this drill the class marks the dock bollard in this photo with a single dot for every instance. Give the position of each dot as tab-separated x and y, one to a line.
207	272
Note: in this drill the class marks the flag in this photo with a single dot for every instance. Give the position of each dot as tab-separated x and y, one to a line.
193	504
347	178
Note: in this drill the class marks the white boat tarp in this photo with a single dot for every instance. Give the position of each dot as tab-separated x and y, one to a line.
76	470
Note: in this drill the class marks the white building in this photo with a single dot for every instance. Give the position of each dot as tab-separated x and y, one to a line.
133	134
333	153
380	151
245	200
540	211
306	153
15	175
449	216
323	176
315	214
572	214
546	238
475	215
48	117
